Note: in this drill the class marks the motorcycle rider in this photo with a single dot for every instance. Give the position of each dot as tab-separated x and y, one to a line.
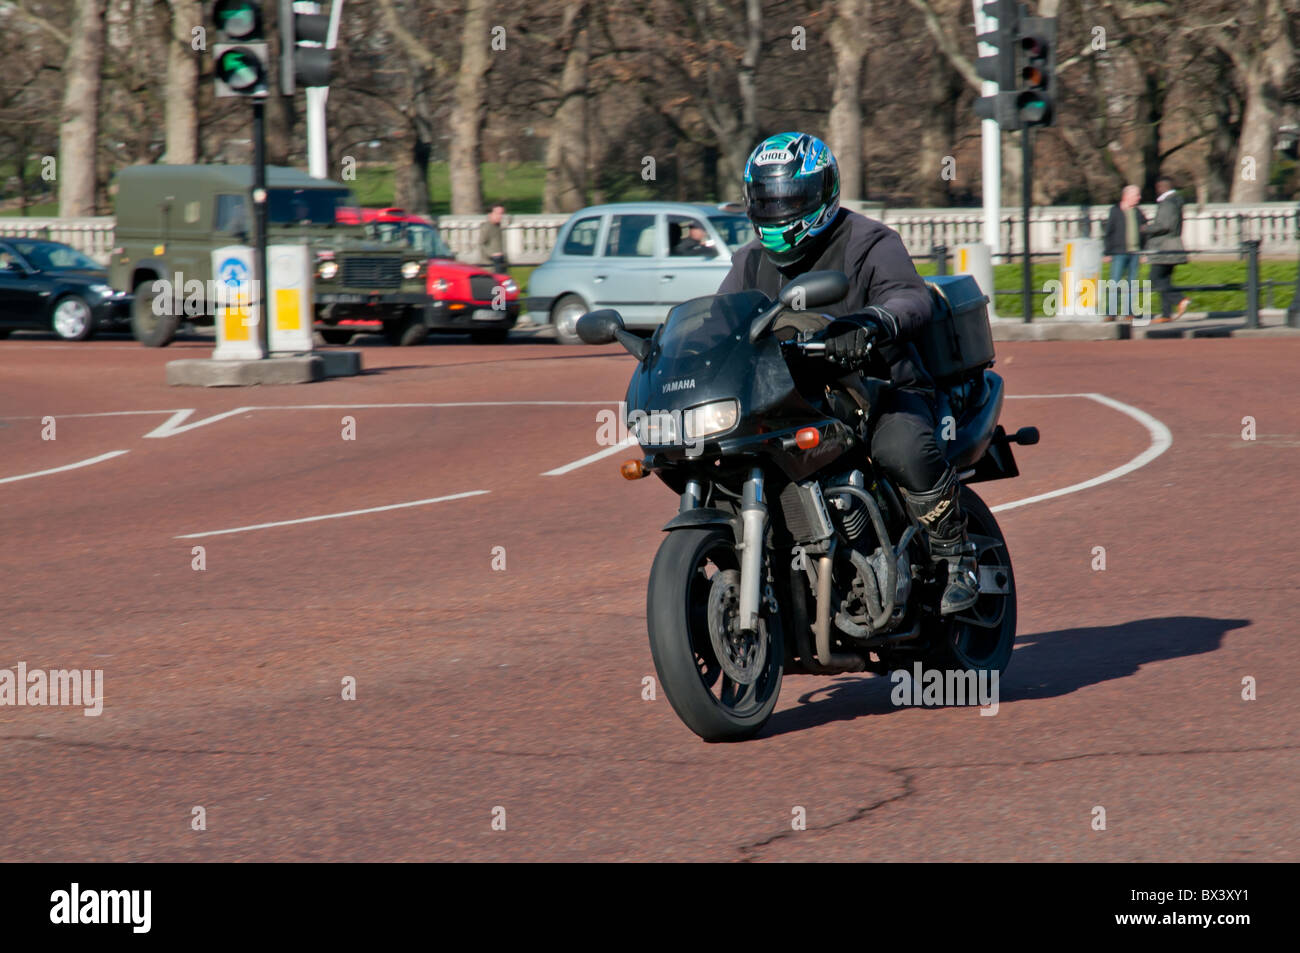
792	191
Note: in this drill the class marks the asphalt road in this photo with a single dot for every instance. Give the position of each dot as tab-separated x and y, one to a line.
481	688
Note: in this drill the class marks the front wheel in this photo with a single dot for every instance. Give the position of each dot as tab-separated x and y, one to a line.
980	638
151	326
722	683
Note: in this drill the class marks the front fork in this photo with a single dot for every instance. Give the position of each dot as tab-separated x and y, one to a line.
753	518
753	525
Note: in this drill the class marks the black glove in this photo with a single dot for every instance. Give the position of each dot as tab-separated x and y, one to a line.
851	347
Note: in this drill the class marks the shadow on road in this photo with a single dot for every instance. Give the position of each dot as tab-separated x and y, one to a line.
1044	665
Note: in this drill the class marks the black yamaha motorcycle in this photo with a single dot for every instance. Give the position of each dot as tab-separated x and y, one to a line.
791	551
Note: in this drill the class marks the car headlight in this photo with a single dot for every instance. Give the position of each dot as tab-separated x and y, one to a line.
510	286
327	269
100	289
708	419
410	269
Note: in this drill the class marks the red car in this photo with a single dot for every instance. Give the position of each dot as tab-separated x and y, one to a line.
458	297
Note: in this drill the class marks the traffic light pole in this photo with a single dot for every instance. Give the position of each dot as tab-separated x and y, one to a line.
259	220
1026	192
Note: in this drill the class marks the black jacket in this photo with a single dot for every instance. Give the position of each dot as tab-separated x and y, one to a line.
1116	234
1166	233
880	273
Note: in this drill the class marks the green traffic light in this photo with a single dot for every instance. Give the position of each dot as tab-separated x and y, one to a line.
1034	109
239	69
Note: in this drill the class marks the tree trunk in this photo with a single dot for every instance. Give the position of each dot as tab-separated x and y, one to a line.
848	40
1259	122
79	120
181	115
469	111
566	149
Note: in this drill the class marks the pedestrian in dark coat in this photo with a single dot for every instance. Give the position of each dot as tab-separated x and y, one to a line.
1164	238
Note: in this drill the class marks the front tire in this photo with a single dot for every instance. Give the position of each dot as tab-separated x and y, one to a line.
150	329
982	637
713	705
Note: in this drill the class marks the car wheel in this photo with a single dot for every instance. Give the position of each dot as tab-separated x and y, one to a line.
337	336
495	336
4	333
72	319
565	317
150	329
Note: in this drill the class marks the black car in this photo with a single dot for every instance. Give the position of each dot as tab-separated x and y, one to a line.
50	286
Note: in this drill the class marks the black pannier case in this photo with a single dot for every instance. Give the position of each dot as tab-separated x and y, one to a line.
959	342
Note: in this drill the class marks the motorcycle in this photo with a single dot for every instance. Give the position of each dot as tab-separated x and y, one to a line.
791	552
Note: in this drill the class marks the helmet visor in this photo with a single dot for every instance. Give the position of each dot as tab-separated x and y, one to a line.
775	201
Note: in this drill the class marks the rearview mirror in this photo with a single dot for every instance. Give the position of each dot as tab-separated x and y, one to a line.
600	327
815	289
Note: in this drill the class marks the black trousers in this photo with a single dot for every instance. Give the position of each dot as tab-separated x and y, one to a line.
903	442
1162	280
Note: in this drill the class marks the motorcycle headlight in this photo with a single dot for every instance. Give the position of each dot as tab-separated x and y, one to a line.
658	429
327	269
712	418
410	269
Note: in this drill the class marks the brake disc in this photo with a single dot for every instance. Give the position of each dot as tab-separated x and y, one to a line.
742	655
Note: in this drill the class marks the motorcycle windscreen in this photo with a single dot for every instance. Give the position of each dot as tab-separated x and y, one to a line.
700	332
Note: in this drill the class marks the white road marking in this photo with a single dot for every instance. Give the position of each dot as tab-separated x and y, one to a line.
335	516
1161	440
70	466
598	455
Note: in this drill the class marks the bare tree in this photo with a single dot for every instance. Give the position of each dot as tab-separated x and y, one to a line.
181	117
79	118
468	110
850	40
566	149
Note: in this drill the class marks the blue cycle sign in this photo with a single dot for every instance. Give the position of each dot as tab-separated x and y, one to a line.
233	273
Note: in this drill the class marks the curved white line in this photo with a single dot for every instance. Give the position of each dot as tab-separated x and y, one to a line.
70	466
1161	440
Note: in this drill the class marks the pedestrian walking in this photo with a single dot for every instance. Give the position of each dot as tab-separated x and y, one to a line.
1164	238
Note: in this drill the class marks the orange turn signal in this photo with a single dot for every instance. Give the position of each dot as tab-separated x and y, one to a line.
807	438
632	470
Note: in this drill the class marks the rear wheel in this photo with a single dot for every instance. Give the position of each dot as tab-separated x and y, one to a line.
722	683
149	328
565	317
982	637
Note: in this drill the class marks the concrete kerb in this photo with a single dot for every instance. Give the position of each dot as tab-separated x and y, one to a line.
277	369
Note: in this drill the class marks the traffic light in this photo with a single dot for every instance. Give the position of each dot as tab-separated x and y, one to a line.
300	63
240	51
1036	98
1000	66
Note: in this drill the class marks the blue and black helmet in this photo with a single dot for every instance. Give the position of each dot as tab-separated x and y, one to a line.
792	192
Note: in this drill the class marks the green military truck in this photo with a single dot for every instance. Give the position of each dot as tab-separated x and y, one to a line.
170	218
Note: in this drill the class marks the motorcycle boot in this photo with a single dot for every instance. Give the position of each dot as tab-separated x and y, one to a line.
939	512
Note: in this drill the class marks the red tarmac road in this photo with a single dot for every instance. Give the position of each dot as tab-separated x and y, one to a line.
521	689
